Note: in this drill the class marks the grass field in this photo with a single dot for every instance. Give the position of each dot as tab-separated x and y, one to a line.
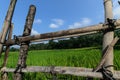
85	57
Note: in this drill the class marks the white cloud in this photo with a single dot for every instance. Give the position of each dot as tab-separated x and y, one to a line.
116	9
34	32
75	25
53	25
56	23
84	22
37	21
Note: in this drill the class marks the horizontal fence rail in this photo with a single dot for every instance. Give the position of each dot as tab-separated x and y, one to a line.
63	37
76	71
98	27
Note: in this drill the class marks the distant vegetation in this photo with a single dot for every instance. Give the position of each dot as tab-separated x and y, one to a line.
73	42
92	40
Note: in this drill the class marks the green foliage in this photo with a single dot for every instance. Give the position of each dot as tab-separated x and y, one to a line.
84	57
73	42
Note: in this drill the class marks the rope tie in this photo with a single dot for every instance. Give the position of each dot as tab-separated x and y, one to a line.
107	74
111	25
111	22
17	40
18	69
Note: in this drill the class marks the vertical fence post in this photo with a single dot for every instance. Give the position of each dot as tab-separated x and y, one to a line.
8	47
4	75
7	23
108	34
24	45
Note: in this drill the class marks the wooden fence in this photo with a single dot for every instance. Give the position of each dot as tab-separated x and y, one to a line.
102	71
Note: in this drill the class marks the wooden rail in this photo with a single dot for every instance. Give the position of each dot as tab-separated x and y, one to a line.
63	37
98	27
76	71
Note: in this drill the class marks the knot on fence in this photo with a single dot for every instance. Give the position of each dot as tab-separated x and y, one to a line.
17	41
107	74
111	23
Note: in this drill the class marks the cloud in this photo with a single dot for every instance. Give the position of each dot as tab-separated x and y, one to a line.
84	22
56	23
37	21
34	32
116	9
53	25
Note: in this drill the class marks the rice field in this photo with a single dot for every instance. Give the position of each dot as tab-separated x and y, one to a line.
85	57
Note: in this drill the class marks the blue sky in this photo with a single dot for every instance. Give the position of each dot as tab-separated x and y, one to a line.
55	15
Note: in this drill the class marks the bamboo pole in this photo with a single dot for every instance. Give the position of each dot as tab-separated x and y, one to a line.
106	53
76	71
93	28
7	23
63	37
8	47
4	74
24	45
108	34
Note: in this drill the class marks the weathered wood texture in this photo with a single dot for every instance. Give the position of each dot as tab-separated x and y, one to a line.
106	53
27	31
76	71
8	47
63	37
4	75
98	27
24	45
7	23
108	34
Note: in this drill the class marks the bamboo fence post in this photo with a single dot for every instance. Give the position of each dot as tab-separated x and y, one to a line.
7	23
24	45
4	75
108	34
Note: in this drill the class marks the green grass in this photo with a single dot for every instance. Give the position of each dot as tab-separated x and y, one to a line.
85	57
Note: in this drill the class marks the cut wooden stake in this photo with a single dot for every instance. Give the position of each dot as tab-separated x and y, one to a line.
25	45
4	75
8	47
7	23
